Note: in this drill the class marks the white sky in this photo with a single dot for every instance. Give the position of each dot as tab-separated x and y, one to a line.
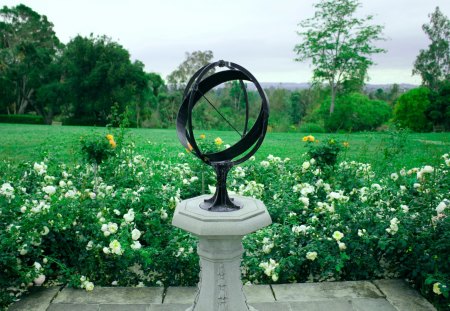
257	34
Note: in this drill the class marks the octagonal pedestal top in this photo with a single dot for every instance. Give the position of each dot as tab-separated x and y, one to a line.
251	217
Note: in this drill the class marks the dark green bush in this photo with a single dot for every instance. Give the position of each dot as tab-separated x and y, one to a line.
21	119
410	108
311	128
355	112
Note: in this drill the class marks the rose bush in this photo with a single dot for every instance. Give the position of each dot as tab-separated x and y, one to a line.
109	223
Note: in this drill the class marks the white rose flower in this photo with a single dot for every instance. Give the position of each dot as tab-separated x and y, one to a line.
136	245
306	165
129	216
45	231
337	235
394	176
436	288
49	190
342	246
39	280
106	250
135	234
265	163
115	247
311	256
112	227
441	207
89	286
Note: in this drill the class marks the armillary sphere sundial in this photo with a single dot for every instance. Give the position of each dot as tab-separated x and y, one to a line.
250	141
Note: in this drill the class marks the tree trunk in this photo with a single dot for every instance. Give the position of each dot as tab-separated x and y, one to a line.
333	98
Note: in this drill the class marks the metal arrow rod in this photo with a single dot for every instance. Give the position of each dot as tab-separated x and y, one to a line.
203	95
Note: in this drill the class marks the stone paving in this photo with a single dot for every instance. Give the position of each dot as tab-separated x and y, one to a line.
380	295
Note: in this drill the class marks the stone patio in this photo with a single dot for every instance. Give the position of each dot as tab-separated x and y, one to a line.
380	295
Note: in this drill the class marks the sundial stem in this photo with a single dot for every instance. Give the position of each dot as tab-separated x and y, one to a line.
220	201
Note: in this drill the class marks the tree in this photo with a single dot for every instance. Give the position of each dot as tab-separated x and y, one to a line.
338	43
410	108
98	74
28	45
193	62
438	112
433	64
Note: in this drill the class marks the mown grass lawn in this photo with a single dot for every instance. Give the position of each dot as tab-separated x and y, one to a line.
386	151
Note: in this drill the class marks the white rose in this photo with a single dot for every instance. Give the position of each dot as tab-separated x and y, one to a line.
129	216
342	246
135	234
89	286
306	165
441	207
311	256
49	190
136	245
337	235
39	280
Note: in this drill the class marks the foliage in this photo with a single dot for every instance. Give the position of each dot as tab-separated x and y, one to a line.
98	74
433	64
438	112
354	112
409	109
324	153
338	43
311	128
97	149
28	45
193	62
21	118
55	225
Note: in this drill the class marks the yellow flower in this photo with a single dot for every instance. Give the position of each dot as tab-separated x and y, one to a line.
309	138
346	144
202	136
109	137
113	143
218	141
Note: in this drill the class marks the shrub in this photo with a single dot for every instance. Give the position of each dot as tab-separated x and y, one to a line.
438	112
311	128
21	119
355	112
86	226
409	110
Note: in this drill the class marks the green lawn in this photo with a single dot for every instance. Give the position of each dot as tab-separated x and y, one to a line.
385	151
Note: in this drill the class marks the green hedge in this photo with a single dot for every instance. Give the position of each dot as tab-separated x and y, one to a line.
21	118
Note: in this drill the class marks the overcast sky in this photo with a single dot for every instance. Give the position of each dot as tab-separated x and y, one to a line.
257	34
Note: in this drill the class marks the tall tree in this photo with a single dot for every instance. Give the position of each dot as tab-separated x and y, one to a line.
433	64
98	73
28	45
338	43
193	62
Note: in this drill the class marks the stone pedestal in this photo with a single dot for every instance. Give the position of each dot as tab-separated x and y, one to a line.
220	249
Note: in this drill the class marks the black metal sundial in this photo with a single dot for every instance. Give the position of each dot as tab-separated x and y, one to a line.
250	141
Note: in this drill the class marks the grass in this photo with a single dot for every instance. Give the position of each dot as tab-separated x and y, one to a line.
385	151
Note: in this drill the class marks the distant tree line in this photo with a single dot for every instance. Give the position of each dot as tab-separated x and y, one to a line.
90	79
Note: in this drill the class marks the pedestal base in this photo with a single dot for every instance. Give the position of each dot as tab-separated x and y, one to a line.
220	249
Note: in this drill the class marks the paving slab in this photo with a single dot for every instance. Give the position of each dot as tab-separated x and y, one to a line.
38	299
129	307
402	296
258	293
73	307
186	295
371	304
111	295
180	295
335	305
169	307
274	306
325	291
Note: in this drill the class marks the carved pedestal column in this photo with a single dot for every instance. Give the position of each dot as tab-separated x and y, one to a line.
220	249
